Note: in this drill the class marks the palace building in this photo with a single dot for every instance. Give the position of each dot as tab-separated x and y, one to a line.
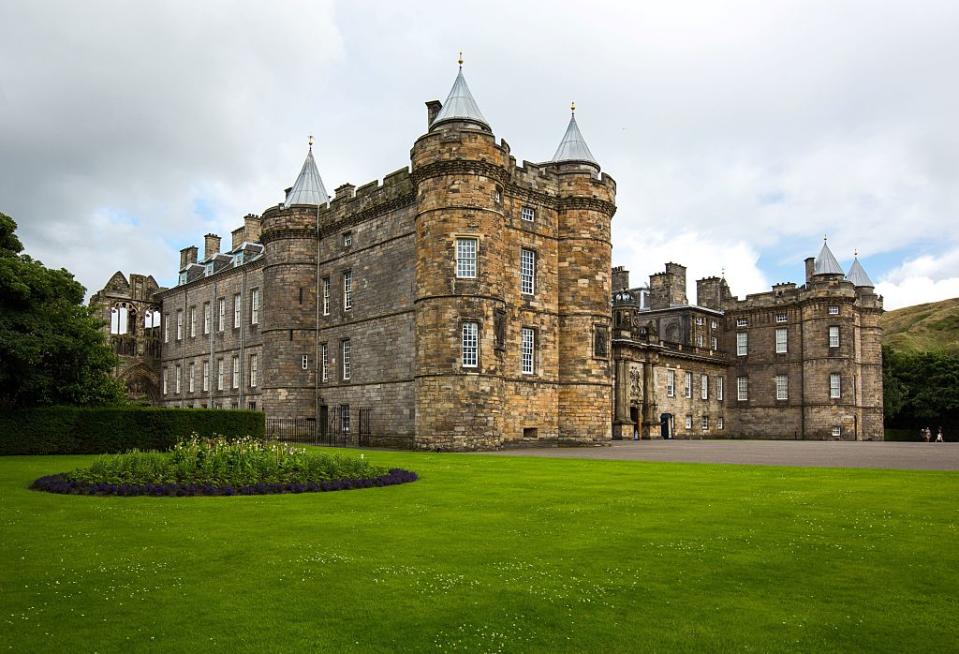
467	301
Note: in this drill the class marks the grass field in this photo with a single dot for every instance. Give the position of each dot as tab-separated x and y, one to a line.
489	554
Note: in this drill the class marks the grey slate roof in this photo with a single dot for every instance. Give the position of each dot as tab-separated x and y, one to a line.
308	188
857	275
460	105
573	146
826	263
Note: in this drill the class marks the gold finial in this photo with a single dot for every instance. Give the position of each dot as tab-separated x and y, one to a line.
855	252
310	141
825	237
460	60
572	107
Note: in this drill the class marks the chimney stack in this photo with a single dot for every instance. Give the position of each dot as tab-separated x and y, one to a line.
345	191
254	227
211	246
187	256
238	235
432	108
620	278
810	268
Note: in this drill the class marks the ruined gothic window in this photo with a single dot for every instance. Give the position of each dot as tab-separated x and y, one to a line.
782	387
835	386
255	306
346	356
742	388
528	349
600	341
527	271
528	214
253	370
466	258
326	296
347	290
470	344
782	338
236	371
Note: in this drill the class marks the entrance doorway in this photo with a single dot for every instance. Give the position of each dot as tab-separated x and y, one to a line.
665	425
637	428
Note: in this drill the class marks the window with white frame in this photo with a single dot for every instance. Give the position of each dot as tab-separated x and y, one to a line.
254	370
527	270
347	290
704	423
704	386
713	325
206	376
470	344
237	313
528	214
837	432
184	278
742	343
466	257
699	340
346	354
689	423
833	310
192	322
742	322
179	324
324	362
206	317
191	381
219	374
688	384
528	349
720	423
834	336
347	239
781	317
782	387
255	306
720	388
305	361
670	383
220	314
165	375
326	296
344	417
835	386
742	388
236	371
782	338
714	343
176	378
699	320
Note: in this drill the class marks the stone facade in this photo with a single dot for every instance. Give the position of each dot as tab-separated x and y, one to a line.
792	363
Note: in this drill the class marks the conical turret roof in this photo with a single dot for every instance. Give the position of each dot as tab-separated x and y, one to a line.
460	105
857	275
308	188
826	263
573	146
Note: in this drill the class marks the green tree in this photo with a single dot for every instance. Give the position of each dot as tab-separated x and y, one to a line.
52	349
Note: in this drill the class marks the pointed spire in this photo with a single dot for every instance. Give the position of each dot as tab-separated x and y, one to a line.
308	188
857	274
460	104
573	146
826	263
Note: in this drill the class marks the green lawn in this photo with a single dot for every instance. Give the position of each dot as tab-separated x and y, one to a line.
491	554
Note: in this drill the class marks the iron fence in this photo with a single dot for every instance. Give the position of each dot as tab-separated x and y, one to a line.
339	426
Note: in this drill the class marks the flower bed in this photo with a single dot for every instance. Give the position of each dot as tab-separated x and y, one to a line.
222	467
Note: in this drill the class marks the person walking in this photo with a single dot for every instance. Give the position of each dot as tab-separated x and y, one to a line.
939	436
926	434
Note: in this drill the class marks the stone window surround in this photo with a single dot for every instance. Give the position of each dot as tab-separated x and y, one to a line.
193	321
327	287
831	332
720	388
835	386
347	277
473	362
670	383
254	306
324	362
704	387
742	388
782	340
527	271
528	350
463	272
346	359
782	387
528	214
237	310
742	344
688	385
179	324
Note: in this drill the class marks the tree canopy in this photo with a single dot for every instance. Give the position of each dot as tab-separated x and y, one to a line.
921	388
52	348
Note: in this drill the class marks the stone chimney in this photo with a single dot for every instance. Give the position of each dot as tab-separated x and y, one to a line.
211	245
254	227
238	236
620	278
709	293
432	108
677	283
810	268
187	256
345	191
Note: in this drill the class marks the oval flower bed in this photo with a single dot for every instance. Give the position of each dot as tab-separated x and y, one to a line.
222	467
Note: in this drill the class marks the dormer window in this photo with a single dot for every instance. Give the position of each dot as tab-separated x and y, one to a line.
183	277
208	269
238	259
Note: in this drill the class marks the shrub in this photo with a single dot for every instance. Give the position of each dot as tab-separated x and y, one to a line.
221	467
100	430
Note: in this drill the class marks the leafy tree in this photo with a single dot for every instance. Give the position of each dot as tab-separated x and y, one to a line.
52	349
921	388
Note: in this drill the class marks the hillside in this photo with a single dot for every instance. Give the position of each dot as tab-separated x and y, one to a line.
923	327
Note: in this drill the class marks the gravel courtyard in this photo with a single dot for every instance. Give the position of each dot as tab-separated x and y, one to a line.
842	454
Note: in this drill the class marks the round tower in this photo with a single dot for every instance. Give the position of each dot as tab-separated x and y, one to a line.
460	174
289	321
586	204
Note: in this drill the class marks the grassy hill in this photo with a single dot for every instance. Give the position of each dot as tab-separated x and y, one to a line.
932	327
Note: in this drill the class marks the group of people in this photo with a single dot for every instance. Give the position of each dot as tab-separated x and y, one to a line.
926	435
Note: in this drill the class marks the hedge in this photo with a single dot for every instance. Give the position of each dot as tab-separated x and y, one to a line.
102	430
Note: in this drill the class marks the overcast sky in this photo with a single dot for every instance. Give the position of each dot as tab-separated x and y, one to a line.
739	132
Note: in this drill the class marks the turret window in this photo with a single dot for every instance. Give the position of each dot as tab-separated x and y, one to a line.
466	258
527	271
781	317
470	344
833	310
834	336
835	386
528	214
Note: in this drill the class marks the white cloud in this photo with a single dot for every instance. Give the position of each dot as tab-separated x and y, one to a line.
922	279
